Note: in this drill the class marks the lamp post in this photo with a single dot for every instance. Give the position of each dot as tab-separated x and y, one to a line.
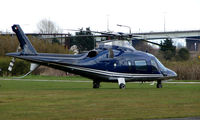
125	26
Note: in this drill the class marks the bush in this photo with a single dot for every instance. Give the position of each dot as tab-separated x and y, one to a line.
10	44
4	66
183	54
20	67
44	46
168	49
186	70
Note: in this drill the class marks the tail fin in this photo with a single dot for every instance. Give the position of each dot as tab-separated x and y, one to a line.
25	44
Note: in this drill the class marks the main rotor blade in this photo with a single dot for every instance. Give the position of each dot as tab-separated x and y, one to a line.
76	36
89	31
151	42
110	34
105	33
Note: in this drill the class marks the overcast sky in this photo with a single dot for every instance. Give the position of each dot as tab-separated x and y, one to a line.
140	15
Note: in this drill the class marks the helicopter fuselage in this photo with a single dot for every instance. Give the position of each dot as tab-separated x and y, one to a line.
112	61
98	64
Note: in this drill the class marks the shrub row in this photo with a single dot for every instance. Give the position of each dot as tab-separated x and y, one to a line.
20	67
10	44
186	70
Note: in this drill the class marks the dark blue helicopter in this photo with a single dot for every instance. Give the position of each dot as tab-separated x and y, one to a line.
112	61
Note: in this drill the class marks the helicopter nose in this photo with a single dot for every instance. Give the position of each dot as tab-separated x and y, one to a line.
171	73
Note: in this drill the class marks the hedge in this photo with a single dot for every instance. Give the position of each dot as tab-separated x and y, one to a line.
20	67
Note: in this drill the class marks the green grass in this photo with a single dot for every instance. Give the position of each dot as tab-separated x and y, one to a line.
40	77
31	100
76	77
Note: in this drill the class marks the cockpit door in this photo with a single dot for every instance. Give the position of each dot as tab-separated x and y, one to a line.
154	67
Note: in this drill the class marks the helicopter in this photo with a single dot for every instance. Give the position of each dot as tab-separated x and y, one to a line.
112	61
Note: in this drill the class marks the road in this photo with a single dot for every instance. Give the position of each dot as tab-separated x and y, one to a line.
189	118
18	79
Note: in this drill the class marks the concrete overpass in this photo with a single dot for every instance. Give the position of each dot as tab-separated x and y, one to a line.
192	37
170	34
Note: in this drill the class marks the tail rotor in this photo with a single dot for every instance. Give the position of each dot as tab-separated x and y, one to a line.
12	62
33	66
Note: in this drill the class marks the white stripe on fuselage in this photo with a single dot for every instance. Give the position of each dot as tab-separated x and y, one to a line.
114	74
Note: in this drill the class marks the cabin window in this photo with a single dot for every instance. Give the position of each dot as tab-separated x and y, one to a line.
141	65
154	66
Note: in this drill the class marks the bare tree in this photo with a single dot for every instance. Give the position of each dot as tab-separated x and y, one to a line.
47	26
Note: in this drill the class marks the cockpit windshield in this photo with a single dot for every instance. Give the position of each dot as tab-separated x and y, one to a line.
120	43
162	67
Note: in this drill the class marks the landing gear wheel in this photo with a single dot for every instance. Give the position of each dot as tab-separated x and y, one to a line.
96	84
159	84
122	86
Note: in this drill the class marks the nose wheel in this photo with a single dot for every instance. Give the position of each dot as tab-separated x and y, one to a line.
159	84
96	84
122	83
122	86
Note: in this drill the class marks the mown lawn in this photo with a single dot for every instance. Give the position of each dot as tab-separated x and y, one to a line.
32	100
40	77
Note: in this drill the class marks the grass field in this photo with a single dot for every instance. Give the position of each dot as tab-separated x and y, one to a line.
40	77
33	100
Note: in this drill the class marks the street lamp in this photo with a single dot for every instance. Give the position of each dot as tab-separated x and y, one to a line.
125	26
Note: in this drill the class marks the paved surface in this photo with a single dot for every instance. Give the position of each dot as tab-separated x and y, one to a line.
18	79
184	82
46	80
189	118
